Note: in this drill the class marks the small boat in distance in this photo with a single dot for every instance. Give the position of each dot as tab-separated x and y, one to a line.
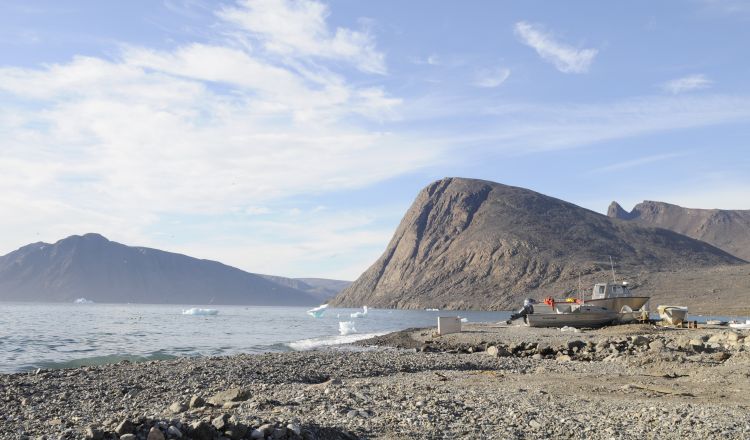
740	325
610	303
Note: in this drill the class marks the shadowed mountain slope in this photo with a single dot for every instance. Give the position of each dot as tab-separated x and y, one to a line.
321	288
92	267
728	230
467	243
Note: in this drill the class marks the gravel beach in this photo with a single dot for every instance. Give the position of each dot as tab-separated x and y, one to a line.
489	381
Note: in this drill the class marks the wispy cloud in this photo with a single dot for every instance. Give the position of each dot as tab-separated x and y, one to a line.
490	78
299	29
687	84
645	160
566	58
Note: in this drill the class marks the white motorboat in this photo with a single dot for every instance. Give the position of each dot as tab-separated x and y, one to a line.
673	315
610	303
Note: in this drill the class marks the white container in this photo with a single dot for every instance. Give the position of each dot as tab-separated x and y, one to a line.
449	324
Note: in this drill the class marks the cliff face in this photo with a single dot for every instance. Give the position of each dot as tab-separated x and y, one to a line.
95	268
726	229
468	243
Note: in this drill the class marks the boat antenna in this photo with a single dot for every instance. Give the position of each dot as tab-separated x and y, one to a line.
612	265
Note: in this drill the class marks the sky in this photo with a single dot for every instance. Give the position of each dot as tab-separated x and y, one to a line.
289	137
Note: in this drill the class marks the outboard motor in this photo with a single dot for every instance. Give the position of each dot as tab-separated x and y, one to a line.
527	309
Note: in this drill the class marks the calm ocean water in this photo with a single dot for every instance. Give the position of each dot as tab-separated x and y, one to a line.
69	335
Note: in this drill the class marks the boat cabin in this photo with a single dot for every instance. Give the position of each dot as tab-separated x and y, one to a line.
610	290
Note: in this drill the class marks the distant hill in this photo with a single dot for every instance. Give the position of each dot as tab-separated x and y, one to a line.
92	267
728	230
320	288
474	244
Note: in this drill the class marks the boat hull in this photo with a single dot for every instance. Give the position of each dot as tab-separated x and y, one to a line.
620	304
588	319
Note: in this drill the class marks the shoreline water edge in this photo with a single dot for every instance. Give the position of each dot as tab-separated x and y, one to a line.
489	381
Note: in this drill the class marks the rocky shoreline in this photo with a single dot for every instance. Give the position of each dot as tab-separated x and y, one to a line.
490	381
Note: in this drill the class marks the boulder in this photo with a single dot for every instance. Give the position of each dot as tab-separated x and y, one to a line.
201	431
197	401
495	351
125	427
232	395
93	433
656	345
221	422
640	340
177	407
155	434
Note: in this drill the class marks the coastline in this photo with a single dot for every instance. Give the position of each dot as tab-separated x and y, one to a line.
616	382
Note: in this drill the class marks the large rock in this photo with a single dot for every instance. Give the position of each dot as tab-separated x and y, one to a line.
232	395
155	434
125	427
467	243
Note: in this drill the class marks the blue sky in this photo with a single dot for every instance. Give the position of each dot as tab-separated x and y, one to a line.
289	137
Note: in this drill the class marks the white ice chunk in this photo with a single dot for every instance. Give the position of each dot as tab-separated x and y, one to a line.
200	312
361	314
347	328
83	301
317	312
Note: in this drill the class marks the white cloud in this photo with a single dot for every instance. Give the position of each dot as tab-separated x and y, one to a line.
491	78
298	28
566	58
116	145
687	84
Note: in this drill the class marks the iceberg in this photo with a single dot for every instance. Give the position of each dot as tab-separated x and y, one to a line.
200	312
317	312
346	328
361	314
83	301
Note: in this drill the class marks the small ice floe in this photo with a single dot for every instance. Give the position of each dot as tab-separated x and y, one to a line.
361	314
83	301
570	329
317	312
431	310
200	312
346	328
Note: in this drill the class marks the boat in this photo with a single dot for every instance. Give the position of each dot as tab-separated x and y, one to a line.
715	322
610	303
740	325
673	315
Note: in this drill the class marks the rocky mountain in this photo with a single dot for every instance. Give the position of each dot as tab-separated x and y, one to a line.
321	288
92	267
467	243
726	229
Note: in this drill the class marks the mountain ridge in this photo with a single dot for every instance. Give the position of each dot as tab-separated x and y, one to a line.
726	229
101	270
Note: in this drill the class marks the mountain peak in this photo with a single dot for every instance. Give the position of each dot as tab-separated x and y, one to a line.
469	243
617	211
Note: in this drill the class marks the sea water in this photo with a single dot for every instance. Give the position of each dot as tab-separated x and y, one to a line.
69	335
